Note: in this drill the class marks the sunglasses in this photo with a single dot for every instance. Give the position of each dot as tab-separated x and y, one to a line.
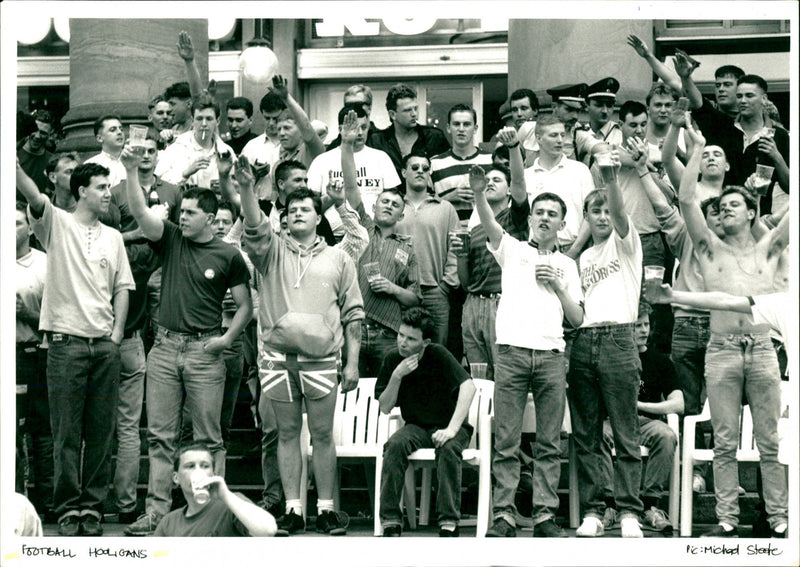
418	166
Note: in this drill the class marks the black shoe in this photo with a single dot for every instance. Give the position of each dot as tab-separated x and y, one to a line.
501	528
69	526
448	533
392	531
548	528
277	509
761	527
289	524
332	523
128	517
719	531
90	525
780	535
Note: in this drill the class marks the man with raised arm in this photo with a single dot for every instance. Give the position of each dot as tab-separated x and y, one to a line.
310	307
604	367
186	363
539	284
84	304
740	357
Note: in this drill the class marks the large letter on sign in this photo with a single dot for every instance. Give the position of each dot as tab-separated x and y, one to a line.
334	27
409	26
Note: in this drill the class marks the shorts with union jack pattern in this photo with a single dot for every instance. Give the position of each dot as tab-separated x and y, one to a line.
286	377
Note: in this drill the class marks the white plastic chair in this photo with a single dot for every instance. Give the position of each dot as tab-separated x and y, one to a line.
477	454
747	451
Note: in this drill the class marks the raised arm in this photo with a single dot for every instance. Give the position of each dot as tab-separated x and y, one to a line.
779	237
517	189
616	206
685	67
477	182
150	223
669	151
670	77
701	236
30	191
186	52
312	141
226	187
250	210
349	131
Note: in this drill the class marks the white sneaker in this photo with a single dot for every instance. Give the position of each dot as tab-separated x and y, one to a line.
591	527
698	483
630	527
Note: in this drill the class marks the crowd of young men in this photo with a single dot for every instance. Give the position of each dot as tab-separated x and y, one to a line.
312	268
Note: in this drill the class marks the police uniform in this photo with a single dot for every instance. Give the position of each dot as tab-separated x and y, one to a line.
573	96
610	133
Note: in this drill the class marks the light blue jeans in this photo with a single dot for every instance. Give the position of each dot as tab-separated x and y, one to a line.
435	300
543	373
177	364
736	363
478	331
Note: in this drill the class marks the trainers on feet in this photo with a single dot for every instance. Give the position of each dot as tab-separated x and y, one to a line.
591	527
501	528
332	523
444	532
698	483
657	519
69	526
780	531
720	531
629	527
548	528
289	524
392	531
609	518
90	525
144	526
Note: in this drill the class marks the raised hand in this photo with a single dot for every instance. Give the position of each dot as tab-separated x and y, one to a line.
638	150
280	86
224	163
683	64
678	116
695	136
131	156
336	191
243	174
349	129
477	179
185	46
639	46
508	136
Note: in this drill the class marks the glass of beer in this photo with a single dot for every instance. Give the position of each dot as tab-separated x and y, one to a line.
763	178
372	270
608	170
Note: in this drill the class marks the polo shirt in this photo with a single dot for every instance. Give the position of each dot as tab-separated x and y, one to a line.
116	170
449	172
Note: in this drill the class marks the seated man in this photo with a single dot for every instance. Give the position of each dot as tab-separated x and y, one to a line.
434	395
659	395
211	508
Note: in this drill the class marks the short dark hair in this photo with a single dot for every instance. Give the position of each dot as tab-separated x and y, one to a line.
462	108
100	122
228	206
192	446
154	101
421	319
729	70
302	195
203	101
241	103
543	121
285	167
394	191
397	92
596	197
519	94
356	107
502	169
413	154
547	196
754	80
178	90
660	89
749	200
271	102
82	176
501	152
53	162
633	108
710	203
206	199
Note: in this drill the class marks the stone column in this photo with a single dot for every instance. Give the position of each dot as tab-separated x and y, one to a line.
116	66
546	53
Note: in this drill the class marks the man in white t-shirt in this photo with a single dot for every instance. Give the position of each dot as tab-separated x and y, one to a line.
604	366
540	288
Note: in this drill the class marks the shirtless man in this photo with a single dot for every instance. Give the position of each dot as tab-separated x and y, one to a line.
740	356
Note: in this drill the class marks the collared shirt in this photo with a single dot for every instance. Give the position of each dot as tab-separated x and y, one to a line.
182	153
398	264
449	172
430	142
586	139
259	151
116	170
569	179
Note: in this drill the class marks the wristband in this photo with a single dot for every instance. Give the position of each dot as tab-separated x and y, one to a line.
643	174
514	145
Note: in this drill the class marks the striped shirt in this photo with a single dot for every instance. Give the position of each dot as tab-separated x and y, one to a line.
398	264
485	274
449	172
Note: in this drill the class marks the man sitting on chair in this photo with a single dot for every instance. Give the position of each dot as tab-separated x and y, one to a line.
434	394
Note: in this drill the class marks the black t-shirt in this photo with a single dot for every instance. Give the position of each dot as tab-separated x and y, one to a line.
658	379
427	397
238	144
194	280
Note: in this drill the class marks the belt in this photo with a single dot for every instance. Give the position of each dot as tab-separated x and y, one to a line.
606	328
483	295
192	336
90	340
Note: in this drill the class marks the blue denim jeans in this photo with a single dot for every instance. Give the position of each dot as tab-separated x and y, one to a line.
178	365
478	331
82	386
435	300
543	373
405	441
736	363
273	489
129	415
376	341
603	378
